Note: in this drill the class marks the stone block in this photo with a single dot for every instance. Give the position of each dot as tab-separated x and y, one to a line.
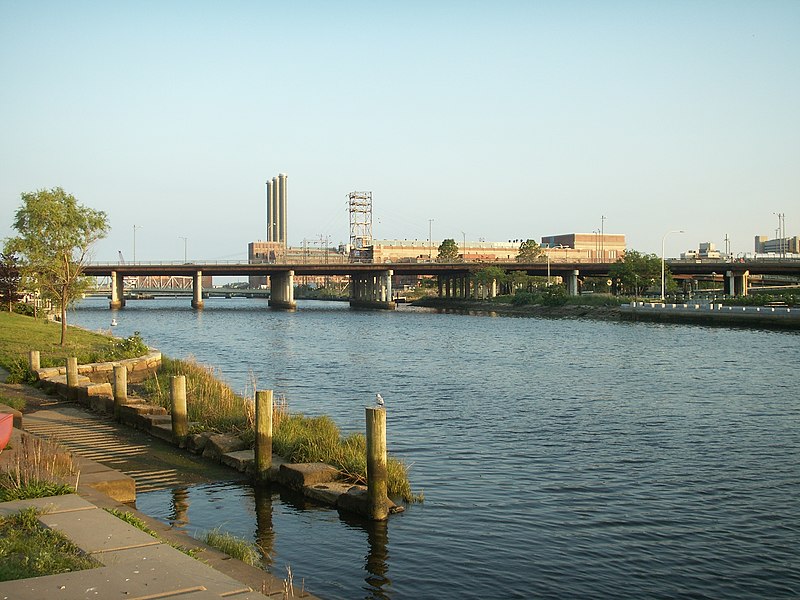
328	493
220	443
242	460
300	475
161	431
196	442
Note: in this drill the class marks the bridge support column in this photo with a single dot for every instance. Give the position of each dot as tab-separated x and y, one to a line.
493	288
440	283
117	290
197	290
373	291
281	290
572	283
736	284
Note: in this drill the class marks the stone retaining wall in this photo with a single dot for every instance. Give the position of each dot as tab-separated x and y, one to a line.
139	369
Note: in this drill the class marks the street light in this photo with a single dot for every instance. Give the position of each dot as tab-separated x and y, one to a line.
430	240
180	237
663	240
464	247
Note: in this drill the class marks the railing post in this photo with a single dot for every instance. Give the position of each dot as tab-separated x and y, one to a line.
34	361
263	446
120	388
377	473
72	371
180	420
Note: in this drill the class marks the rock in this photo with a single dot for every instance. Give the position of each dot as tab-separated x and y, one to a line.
298	476
220	443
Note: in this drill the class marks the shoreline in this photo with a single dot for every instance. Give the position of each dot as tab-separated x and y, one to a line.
612	313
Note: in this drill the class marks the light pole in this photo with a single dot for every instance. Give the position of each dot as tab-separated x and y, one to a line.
603	238
663	241
180	237
547	254
464	247
430	240
135	227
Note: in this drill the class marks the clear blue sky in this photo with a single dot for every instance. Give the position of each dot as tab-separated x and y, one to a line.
501	120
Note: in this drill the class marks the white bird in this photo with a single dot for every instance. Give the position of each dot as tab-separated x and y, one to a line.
379	400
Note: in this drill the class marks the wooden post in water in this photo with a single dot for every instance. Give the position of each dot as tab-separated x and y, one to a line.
180	420
72	371
120	388
377	474
263	449
34	361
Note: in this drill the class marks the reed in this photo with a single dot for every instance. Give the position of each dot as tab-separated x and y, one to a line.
38	468
233	546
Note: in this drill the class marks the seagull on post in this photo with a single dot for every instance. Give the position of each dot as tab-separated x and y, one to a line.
379	401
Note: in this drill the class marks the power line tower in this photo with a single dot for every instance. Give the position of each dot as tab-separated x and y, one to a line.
360	207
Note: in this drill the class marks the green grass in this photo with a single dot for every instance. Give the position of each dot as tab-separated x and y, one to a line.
233	546
210	402
19	334
28	549
13	402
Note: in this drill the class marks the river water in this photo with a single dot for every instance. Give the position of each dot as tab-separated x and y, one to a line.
558	458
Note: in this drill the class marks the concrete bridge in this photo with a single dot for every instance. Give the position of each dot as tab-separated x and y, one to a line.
372	283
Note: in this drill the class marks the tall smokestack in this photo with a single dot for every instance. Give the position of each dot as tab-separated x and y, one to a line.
270	212
276	211
282	177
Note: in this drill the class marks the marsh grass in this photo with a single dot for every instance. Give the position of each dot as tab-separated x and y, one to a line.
211	403
28	549
39	468
214	406
233	546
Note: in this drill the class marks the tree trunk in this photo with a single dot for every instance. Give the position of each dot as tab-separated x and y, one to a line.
63	318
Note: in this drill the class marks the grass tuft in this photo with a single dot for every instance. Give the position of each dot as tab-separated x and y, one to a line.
38	469
233	546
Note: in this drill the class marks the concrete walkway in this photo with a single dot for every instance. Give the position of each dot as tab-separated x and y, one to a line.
134	564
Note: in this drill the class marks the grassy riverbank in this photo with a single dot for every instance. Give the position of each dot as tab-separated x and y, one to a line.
211	403
592	307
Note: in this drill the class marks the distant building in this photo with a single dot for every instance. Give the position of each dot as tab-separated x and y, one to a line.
706	250
607	247
764	245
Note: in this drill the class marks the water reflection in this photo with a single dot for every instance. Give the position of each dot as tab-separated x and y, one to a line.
265	535
180	507
377	558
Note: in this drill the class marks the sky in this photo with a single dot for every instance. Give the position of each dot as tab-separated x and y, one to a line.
480	120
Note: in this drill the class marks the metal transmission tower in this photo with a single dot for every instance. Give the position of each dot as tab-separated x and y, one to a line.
360	207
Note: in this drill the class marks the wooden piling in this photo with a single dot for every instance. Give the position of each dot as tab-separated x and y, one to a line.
120	388
72	371
180	420
34	361
263	446
377	474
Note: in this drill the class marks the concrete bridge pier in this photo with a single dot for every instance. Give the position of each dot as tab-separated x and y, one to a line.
736	284
372	290
117	290
281	286
197	290
572	283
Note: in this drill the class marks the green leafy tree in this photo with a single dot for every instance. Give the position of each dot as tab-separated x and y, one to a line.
55	236
529	251
487	275
9	279
448	251
635	272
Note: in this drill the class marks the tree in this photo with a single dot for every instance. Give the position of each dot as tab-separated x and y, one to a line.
529	251
9	279
448	251
635	272
55	235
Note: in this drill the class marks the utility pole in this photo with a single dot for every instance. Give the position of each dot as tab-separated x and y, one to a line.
602	238
430	239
